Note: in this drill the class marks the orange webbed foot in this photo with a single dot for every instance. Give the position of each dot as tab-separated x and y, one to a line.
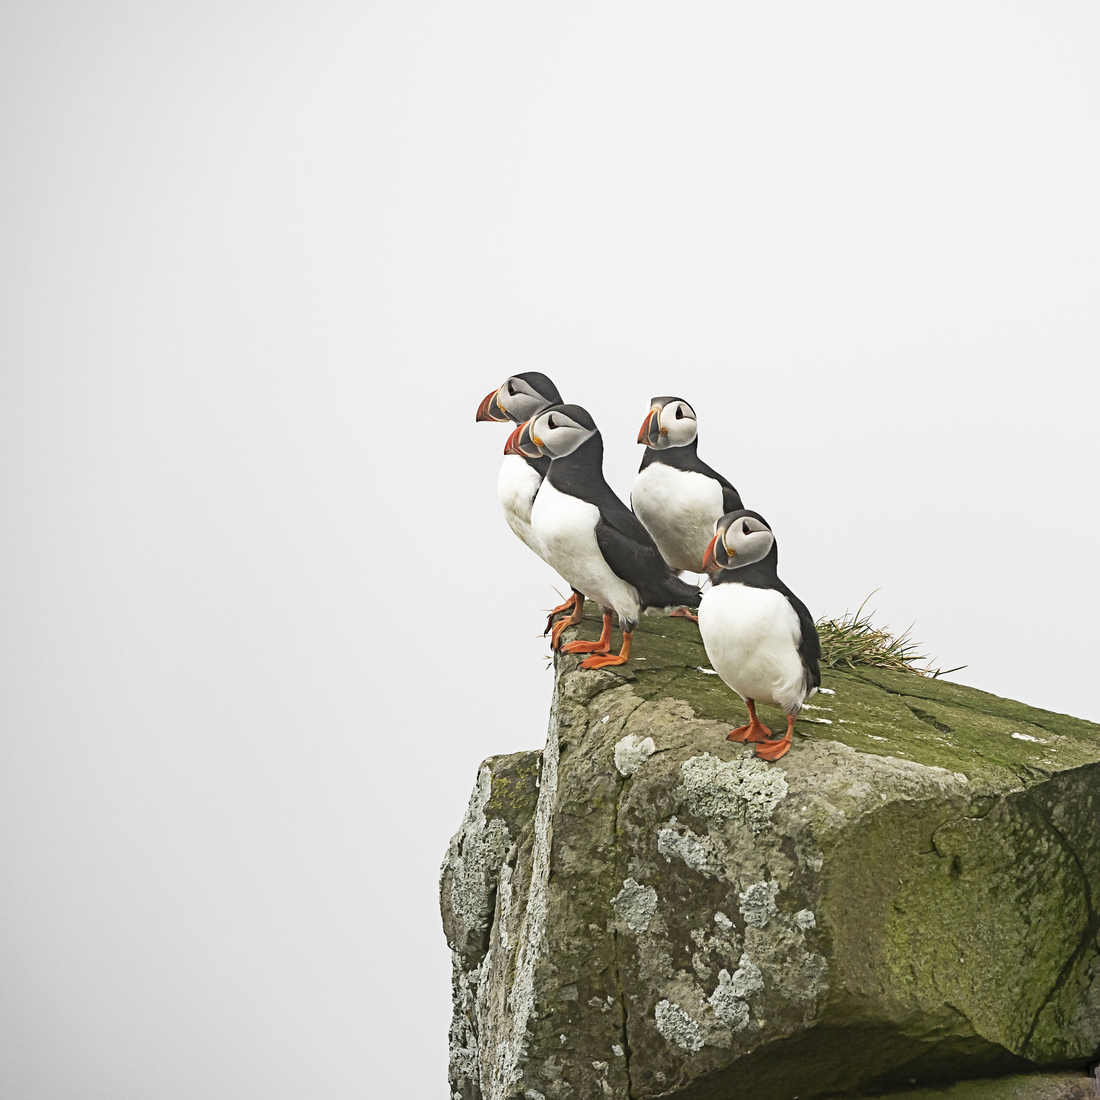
601	645
683	613
555	634
571	605
603	661
773	750
586	647
754	731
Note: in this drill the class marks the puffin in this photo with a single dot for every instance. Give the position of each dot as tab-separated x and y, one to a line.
676	495
517	399
757	633
590	536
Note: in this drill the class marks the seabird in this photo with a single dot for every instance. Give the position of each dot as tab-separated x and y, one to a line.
758	634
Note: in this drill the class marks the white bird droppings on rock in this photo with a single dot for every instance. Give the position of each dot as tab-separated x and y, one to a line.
758	903
723	921
804	918
677	1026
744	788
635	905
616	1050
631	753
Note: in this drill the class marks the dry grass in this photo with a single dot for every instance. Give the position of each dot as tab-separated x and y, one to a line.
853	640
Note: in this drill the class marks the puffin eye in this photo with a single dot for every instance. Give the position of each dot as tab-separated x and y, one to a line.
511	389
745	529
550	423
679	412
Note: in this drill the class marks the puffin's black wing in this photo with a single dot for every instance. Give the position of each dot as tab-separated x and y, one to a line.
731	498
809	648
629	549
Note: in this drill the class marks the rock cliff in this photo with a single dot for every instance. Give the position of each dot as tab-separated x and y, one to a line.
906	900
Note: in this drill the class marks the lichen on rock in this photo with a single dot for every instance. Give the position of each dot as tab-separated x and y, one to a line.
683	845
745	789
677	1026
635	905
729	999
757	903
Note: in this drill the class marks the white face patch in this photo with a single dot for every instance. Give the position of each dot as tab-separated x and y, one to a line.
519	401
746	541
557	434
678	424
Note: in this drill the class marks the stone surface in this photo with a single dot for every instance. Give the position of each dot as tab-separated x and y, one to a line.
905	900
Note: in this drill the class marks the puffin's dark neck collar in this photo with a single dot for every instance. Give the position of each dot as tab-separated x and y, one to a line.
540	465
588	454
761	574
582	471
683	458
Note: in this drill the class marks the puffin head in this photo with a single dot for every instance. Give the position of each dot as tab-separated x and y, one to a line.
519	398
552	433
740	538
670	422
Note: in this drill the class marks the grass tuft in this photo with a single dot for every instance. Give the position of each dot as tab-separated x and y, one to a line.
852	639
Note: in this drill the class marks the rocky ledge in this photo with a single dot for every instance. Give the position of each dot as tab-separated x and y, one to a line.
907	900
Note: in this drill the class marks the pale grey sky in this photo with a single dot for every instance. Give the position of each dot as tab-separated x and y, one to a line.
260	618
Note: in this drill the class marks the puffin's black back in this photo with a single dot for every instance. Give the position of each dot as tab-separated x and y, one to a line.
626	545
687	458
764	574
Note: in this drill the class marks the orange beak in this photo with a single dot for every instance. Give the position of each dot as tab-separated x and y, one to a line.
489	410
710	562
646	434
512	446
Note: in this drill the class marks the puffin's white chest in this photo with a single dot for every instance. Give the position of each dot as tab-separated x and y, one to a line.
517	486
751	636
679	509
565	527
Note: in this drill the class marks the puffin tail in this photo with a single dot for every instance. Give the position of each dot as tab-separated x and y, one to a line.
681	594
